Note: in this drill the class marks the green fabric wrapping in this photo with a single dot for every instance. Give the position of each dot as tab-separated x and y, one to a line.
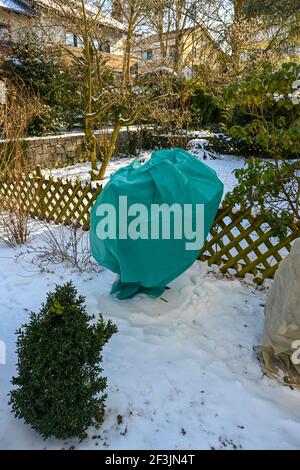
170	177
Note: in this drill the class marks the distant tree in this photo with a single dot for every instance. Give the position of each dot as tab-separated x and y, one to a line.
271	7
122	103
234	26
280	17
116	10
167	17
21	109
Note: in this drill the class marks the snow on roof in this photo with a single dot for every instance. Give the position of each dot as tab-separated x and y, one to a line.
106	19
109	21
16	6
103	18
19	6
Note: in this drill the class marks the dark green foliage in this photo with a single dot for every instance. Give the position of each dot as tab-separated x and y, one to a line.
263	111
205	108
59	382
49	77
224	145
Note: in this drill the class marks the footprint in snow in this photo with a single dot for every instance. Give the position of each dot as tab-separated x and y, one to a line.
196	279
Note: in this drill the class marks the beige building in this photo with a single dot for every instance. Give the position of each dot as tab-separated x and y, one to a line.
289	48
182	51
17	17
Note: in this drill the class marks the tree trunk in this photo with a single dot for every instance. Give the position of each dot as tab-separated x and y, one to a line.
126	59
236	50
90	143
110	150
160	32
178	50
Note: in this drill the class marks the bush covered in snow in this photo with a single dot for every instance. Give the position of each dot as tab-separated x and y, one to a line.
202	150
59	375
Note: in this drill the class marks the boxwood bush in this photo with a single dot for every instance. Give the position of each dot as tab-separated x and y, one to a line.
59	386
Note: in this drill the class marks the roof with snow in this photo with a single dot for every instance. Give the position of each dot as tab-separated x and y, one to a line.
16	6
26	7
105	19
93	10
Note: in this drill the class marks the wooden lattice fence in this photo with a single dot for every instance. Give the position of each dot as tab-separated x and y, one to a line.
56	200
239	243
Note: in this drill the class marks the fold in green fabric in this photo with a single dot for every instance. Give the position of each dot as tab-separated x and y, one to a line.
147	265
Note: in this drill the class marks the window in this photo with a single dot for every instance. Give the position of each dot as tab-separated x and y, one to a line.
103	46
291	50
70	39
74	40
147	55
171	52
3	96
4	38
106	46
4	32
97	44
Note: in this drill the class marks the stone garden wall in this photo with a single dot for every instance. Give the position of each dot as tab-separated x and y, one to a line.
54	150
66	149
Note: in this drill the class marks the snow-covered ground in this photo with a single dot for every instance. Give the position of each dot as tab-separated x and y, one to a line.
224	169
81	171
181	370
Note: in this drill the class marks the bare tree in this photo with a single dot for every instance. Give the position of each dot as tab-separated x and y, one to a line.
227	31
61	245
121	103
172	22
234	26
21	108
133	13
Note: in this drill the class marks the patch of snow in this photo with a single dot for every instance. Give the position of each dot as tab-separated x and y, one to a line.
295	97
181	371
201	149
296	84
224	169
201	133
81	171
65	135
93	10
158	71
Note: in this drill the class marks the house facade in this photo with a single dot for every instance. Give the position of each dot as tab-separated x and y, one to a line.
18	17
288	47
15	16
181	51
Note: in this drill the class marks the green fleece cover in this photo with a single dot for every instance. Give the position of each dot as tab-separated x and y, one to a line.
171	176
